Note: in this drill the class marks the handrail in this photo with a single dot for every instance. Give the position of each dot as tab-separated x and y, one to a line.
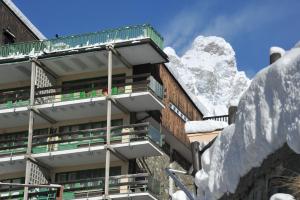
82	40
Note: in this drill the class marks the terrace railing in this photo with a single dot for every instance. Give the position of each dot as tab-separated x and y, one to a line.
86	188
222	118
81	138
83	40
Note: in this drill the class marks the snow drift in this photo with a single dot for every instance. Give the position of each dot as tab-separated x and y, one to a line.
209	71
282	196
268	116
204	126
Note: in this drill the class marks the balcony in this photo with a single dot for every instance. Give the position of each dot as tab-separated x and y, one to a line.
84	146
82	53
133	186
82	99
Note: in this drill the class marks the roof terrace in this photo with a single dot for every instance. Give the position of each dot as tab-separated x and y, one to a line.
123	34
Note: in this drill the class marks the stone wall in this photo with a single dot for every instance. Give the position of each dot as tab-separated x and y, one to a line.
270	178
157	167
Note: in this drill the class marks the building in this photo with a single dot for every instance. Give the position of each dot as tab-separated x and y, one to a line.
14	25
73	107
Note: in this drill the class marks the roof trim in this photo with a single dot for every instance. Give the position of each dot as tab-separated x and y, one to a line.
24	19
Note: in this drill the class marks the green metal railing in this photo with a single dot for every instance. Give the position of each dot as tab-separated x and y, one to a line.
82	40
53	94
82	138
87	188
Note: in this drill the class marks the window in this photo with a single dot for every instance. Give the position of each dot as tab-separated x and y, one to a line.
86	174
8	36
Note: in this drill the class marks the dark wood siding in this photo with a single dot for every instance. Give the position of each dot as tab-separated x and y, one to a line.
175	94
8	20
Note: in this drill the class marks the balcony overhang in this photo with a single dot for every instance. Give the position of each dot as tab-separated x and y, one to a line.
87	155
16	71
94	154
12	164
92	107
81	60
17	117
89	59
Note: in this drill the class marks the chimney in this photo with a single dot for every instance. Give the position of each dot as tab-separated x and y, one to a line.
231	114
276	53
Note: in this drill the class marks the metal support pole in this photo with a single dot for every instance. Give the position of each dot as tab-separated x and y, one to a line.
171	181
30	129
108	121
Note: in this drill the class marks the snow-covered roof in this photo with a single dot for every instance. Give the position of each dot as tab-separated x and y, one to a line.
279	50
267	118
204	126
24	19
282	196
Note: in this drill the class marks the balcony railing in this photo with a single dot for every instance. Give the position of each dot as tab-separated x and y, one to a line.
82	40
87	188
14	98
84	90
98	88
80	139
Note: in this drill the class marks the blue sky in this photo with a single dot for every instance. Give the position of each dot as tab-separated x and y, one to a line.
250	26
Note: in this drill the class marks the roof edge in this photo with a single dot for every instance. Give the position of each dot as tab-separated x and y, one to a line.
24	19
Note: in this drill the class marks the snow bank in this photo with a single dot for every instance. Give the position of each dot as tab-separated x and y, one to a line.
281	196
204	126
179	195
268	116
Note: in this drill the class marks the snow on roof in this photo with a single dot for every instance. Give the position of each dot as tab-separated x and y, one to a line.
268	116
24	19
204	126
282	196
279	50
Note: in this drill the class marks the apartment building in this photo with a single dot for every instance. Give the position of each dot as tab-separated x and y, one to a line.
73	107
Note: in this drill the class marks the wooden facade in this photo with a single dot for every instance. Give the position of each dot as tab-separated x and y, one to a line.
175	95
12	28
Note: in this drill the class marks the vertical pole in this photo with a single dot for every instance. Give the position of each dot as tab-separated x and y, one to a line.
30	129
108	121
171	181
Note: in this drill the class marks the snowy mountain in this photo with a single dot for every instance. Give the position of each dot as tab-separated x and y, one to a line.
209	71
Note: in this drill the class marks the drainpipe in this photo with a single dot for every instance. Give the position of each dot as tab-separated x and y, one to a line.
276	53
171	181
108	121
196	157
30	129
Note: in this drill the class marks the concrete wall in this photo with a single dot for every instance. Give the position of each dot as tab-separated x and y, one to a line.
261	183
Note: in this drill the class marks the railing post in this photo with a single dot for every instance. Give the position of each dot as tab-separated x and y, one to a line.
30	128
108	121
